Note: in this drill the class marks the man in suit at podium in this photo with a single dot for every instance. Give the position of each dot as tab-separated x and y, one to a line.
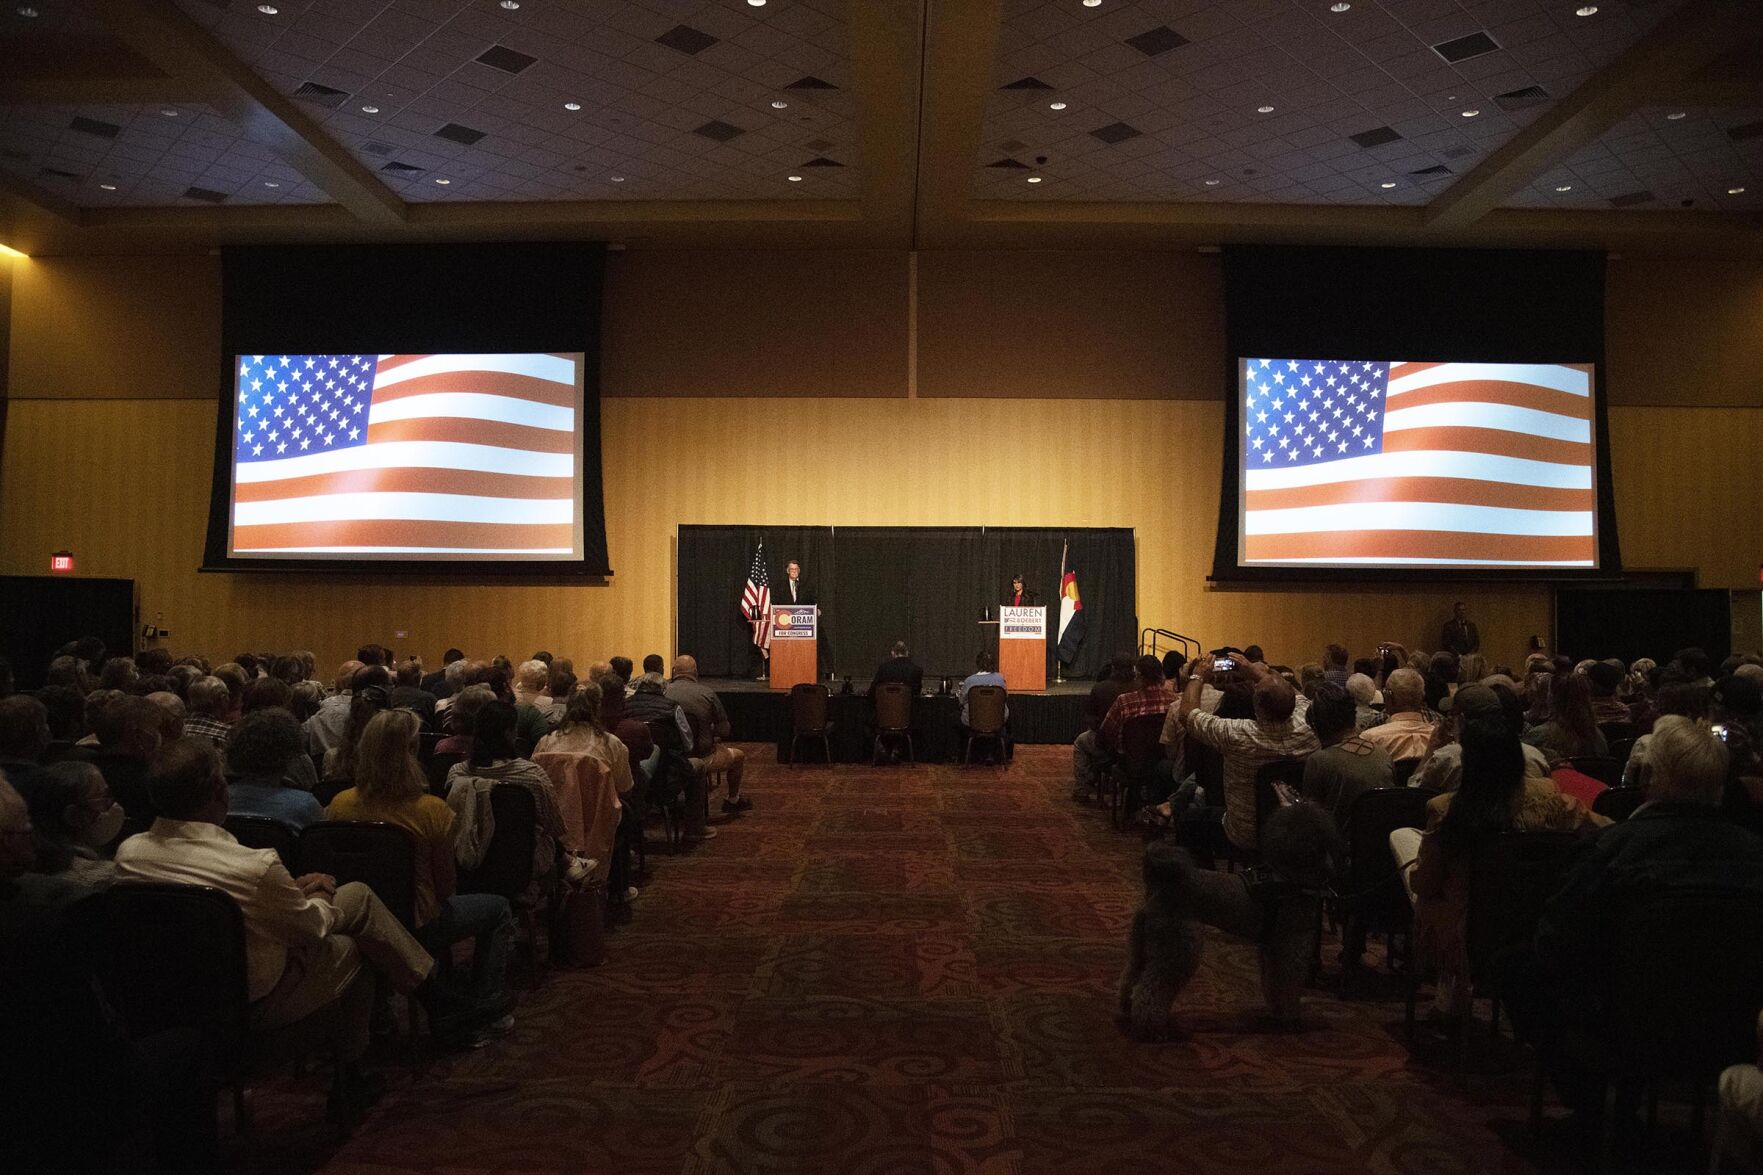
1459	635
794	591
1020	595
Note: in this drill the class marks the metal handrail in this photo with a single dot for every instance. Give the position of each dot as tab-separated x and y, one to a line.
1190	648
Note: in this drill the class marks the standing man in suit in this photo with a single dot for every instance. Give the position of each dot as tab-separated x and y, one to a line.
1459	634
795	591
1020	595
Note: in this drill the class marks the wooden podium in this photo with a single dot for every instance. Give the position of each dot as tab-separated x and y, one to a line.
1022	648
794	657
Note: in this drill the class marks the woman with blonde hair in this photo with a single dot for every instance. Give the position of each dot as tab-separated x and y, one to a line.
390	786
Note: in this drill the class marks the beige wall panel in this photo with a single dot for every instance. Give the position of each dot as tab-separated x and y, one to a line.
1061	325
1688	486
146	327
1684	331
755	323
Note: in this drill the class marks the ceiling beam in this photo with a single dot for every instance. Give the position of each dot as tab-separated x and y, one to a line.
176	44
887	47
22	190
960	63
1685	42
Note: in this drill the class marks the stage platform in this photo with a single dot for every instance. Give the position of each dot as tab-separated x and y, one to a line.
762	715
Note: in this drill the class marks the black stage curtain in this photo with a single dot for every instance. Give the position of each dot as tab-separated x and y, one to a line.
928	586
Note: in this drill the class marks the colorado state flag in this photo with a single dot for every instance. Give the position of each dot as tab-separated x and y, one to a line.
1072	621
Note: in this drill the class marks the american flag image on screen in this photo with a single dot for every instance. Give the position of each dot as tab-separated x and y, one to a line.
1356	462
419	456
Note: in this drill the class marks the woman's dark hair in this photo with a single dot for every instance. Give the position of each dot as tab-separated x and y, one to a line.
289	669
67	711
264	693
1172	665
1493	774
1570	706
363	705
265	741
497	679
493	734
1331	711
1691	701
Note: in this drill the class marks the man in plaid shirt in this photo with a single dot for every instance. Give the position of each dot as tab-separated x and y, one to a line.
209	702
1150	695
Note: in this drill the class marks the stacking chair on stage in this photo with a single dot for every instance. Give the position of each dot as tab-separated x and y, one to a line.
808	718
893	717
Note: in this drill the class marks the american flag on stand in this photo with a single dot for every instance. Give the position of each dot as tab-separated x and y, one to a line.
407	455
1373	462
756	600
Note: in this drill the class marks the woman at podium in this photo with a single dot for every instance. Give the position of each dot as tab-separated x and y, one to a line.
1020	595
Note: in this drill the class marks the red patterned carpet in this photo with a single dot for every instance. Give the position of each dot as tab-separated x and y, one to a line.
912	970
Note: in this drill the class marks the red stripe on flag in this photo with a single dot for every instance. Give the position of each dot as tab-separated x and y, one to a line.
1418	544
393	532
490	383
1489	391
1458	490
1488	440
406	480
473	432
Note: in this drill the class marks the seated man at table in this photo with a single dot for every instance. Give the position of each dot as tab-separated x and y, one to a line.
901	668
985	673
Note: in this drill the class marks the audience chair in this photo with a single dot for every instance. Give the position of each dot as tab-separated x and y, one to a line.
808	718
381	856
436	767
1139	752
1511	877
1267	798
1372	898
1615	732
714	778
1680	1003
507	867
262	832
427	741
1405	769
1618	803
673	806
986	707
1603	768
893	717
1621	749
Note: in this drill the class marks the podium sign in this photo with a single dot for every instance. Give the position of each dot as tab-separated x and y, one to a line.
1022	648
794	651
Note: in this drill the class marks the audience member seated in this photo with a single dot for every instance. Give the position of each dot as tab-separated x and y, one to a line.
1677	841
24	737
67	716
307	939
1407	729
531	680
127	731
1738	1128
703	709
209	702
171	716
560	681
1334	664
985	672
76	822
453	679
1572	728
390	787
1247	743
583	731
460	719
1363	691
327	728
635	736
436	683
260	757
1089	755
408	694
625	670
1605	679
1443	768
366	701
495	760
1495	796
1346	765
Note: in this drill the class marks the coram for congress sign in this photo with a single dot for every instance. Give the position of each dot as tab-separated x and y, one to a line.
793	622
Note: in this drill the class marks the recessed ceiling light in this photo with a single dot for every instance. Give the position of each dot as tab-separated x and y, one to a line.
1055	106
27	11
618	179
1092	3
1676	114
370	109
169	112
572	106
1263	110
1034	179
1735	191
1586	10
108	187
756	3
271	184
443	183
511	5
1339	6
1387	184
1212	183
268	9
1564	187
780	104
795	179
1470	113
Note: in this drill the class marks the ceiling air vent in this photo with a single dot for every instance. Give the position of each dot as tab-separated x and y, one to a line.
376	148
1153	42
721	131
1464	48
464	135
1026	84
1435	169
810	83
1522	99
91	126
206	195
321	95
1009	165
1749	130
397	168
1375	137
686	39
505	59
1630	199
55	173
1116	132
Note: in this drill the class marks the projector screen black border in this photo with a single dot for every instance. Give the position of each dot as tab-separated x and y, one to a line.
415	299
1463	305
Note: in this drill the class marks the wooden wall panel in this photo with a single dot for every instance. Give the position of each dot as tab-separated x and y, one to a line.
1103	325
1684	331
776	322
146	327
1688	483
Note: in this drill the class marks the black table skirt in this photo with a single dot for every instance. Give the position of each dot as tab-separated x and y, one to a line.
764	716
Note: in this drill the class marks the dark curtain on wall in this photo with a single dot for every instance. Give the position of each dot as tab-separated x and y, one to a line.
928	586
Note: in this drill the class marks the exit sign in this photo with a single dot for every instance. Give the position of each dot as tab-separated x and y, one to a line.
61	562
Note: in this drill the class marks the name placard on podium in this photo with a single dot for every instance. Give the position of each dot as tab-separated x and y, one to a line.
794	650
1022	648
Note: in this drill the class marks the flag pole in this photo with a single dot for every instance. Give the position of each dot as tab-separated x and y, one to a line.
1058	665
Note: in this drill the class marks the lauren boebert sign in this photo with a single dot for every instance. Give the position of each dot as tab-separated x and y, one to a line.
794	622
1022	624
